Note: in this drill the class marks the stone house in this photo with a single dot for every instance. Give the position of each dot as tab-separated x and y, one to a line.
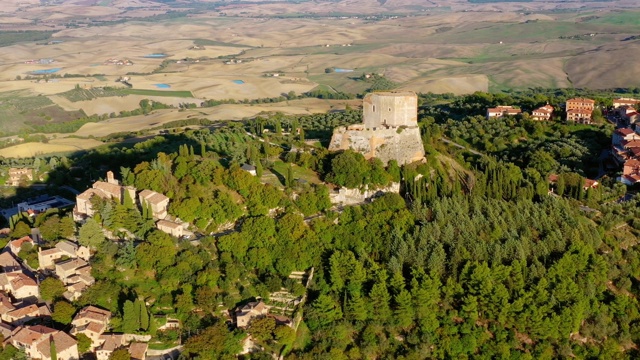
249	168
24	314
138	351
92	322
16	245
36	342
47	258
250	311
111	189
156	201
172	228
9	263
19	285
67	269
16	175
108	344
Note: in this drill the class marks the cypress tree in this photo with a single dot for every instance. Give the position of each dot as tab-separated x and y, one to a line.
144	315
130	322
54	352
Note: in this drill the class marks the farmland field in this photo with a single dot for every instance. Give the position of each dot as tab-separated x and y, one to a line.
267	50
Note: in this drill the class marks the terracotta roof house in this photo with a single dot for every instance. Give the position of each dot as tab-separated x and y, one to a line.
630	167
91	321
580	104
630	179
36	342
5	303
9	263
108	344
6	330
625	102
138	350
624	134
156	201
64	248
542	113
500	111
581	116
22	315
15	245
250	311
68	268
19	285
74	291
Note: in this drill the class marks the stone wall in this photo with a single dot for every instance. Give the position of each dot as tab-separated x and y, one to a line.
401	144
346	196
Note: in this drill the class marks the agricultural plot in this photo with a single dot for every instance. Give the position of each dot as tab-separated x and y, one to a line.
19	110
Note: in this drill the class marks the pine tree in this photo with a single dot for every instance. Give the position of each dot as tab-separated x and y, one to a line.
404	311
380	298
356	308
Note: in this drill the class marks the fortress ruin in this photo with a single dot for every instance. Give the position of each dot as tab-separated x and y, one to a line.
389	131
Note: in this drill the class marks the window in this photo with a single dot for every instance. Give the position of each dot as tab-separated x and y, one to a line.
374	108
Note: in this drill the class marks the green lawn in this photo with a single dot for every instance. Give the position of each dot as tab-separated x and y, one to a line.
279	169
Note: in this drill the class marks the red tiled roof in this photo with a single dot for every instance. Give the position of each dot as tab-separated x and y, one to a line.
625	131
632	162
588	183
583	100
628	144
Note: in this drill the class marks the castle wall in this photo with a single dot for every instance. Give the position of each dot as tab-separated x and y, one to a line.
390	110
402	144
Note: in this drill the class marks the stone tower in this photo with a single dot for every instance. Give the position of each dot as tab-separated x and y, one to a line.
390	130
390	110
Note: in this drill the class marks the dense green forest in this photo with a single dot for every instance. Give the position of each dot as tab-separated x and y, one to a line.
473	259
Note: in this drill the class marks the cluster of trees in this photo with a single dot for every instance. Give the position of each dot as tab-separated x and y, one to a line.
472	259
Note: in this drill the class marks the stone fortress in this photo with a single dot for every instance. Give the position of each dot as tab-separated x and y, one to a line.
389	132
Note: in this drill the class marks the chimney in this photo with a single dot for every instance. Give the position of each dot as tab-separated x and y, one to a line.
110	178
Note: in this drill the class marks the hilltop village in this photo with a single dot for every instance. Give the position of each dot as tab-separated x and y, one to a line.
259	237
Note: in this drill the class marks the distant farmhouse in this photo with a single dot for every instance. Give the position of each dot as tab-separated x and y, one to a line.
389	132
580	110
543	113
501	111
19	175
